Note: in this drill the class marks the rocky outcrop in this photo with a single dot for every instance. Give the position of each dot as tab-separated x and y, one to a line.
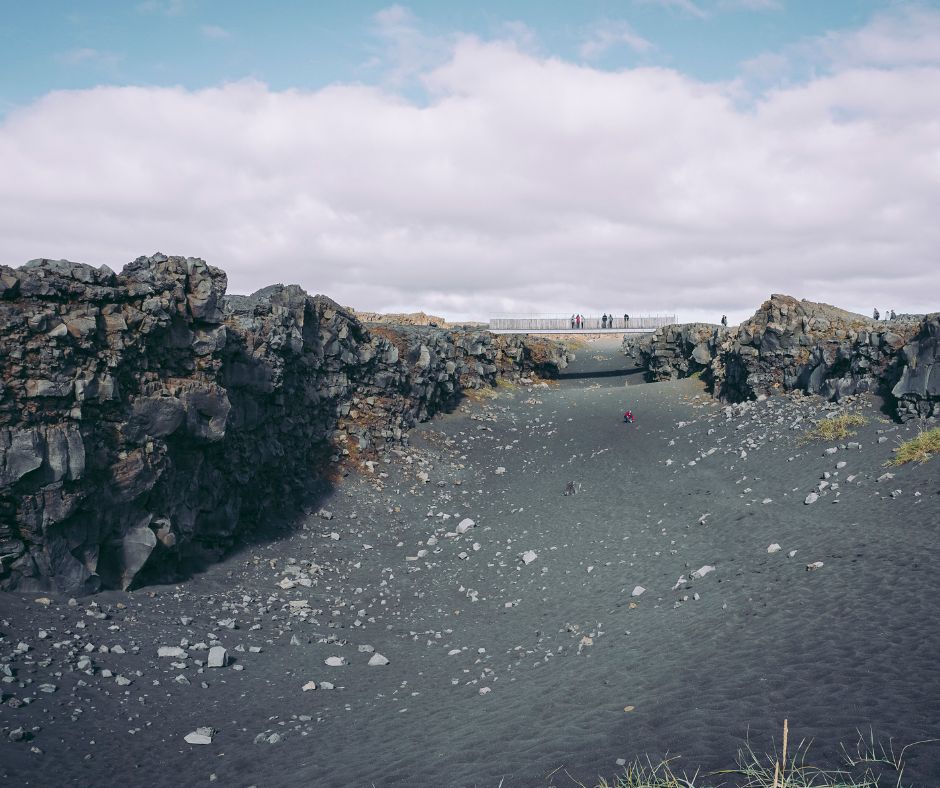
918	390
147	420
400	318
677	351
801	345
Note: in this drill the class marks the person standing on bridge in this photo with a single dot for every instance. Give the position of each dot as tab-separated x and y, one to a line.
626	319
604	320
572	321
577	321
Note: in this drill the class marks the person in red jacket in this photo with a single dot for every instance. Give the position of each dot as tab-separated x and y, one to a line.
628	417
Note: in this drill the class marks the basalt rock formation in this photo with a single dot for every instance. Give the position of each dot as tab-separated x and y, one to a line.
147	420
800	345
918	390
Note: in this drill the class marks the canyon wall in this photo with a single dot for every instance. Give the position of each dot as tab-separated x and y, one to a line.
148	421
801	345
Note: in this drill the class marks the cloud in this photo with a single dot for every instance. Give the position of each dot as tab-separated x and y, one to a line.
908	36
89	56
403	51
165	7
683	7
214	31
523	183
611	34
750	5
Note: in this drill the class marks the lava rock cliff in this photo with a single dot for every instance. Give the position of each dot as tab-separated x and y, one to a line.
148	420
790	345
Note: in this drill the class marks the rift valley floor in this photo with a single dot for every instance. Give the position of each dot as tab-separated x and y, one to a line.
683	602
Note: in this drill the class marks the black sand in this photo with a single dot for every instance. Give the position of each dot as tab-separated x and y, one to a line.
560	644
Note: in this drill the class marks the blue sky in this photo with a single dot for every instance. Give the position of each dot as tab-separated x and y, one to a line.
63	44
474	158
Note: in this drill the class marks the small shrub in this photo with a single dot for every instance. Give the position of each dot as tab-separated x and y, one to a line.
835	428
919	449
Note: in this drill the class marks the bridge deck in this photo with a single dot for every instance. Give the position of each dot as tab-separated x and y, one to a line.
570	331
590	324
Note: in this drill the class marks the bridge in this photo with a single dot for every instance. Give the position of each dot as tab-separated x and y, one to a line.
591	324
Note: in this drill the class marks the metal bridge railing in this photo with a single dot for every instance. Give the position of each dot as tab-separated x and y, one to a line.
645	323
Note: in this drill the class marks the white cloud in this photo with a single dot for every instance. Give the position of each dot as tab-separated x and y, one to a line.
214	31
611	34
525	183
685	7
750	5
89	57
403	50
908	36
165	7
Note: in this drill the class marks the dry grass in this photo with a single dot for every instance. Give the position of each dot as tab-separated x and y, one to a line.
835	428
919	449
481	394
790	768
646	774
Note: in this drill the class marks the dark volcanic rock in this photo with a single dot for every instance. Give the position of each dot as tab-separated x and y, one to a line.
800	345
147	419
918	390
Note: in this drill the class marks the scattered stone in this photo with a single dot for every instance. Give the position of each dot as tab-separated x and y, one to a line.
218	657
200	736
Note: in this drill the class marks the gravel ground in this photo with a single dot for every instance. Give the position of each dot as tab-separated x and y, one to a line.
490	629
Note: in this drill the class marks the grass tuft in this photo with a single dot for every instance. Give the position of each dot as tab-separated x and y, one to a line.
835	428
919	449
646	774
789	768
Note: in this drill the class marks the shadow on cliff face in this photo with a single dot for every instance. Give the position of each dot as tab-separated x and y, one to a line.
149	423
629	372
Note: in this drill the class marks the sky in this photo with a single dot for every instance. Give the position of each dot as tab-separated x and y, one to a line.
482	159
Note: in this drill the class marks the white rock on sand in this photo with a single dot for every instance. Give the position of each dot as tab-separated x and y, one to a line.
377	660
465	525
218	657
334	662
528	556
637	591
199	736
